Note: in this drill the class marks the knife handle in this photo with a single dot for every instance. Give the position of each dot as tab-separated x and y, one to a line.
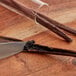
36	48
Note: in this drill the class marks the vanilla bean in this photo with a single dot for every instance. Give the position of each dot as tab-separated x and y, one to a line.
30	13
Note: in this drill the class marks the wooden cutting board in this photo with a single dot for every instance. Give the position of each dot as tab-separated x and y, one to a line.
24	64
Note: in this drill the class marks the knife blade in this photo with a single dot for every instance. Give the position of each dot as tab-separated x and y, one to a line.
11	48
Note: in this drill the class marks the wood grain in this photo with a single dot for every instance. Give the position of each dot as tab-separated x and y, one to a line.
27	64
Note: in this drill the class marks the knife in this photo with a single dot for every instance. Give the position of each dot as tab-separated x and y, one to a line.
11	48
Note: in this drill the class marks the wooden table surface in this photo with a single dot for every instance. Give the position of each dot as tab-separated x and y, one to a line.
27	64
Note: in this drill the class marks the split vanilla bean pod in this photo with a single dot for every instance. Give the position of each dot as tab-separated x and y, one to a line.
30	13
